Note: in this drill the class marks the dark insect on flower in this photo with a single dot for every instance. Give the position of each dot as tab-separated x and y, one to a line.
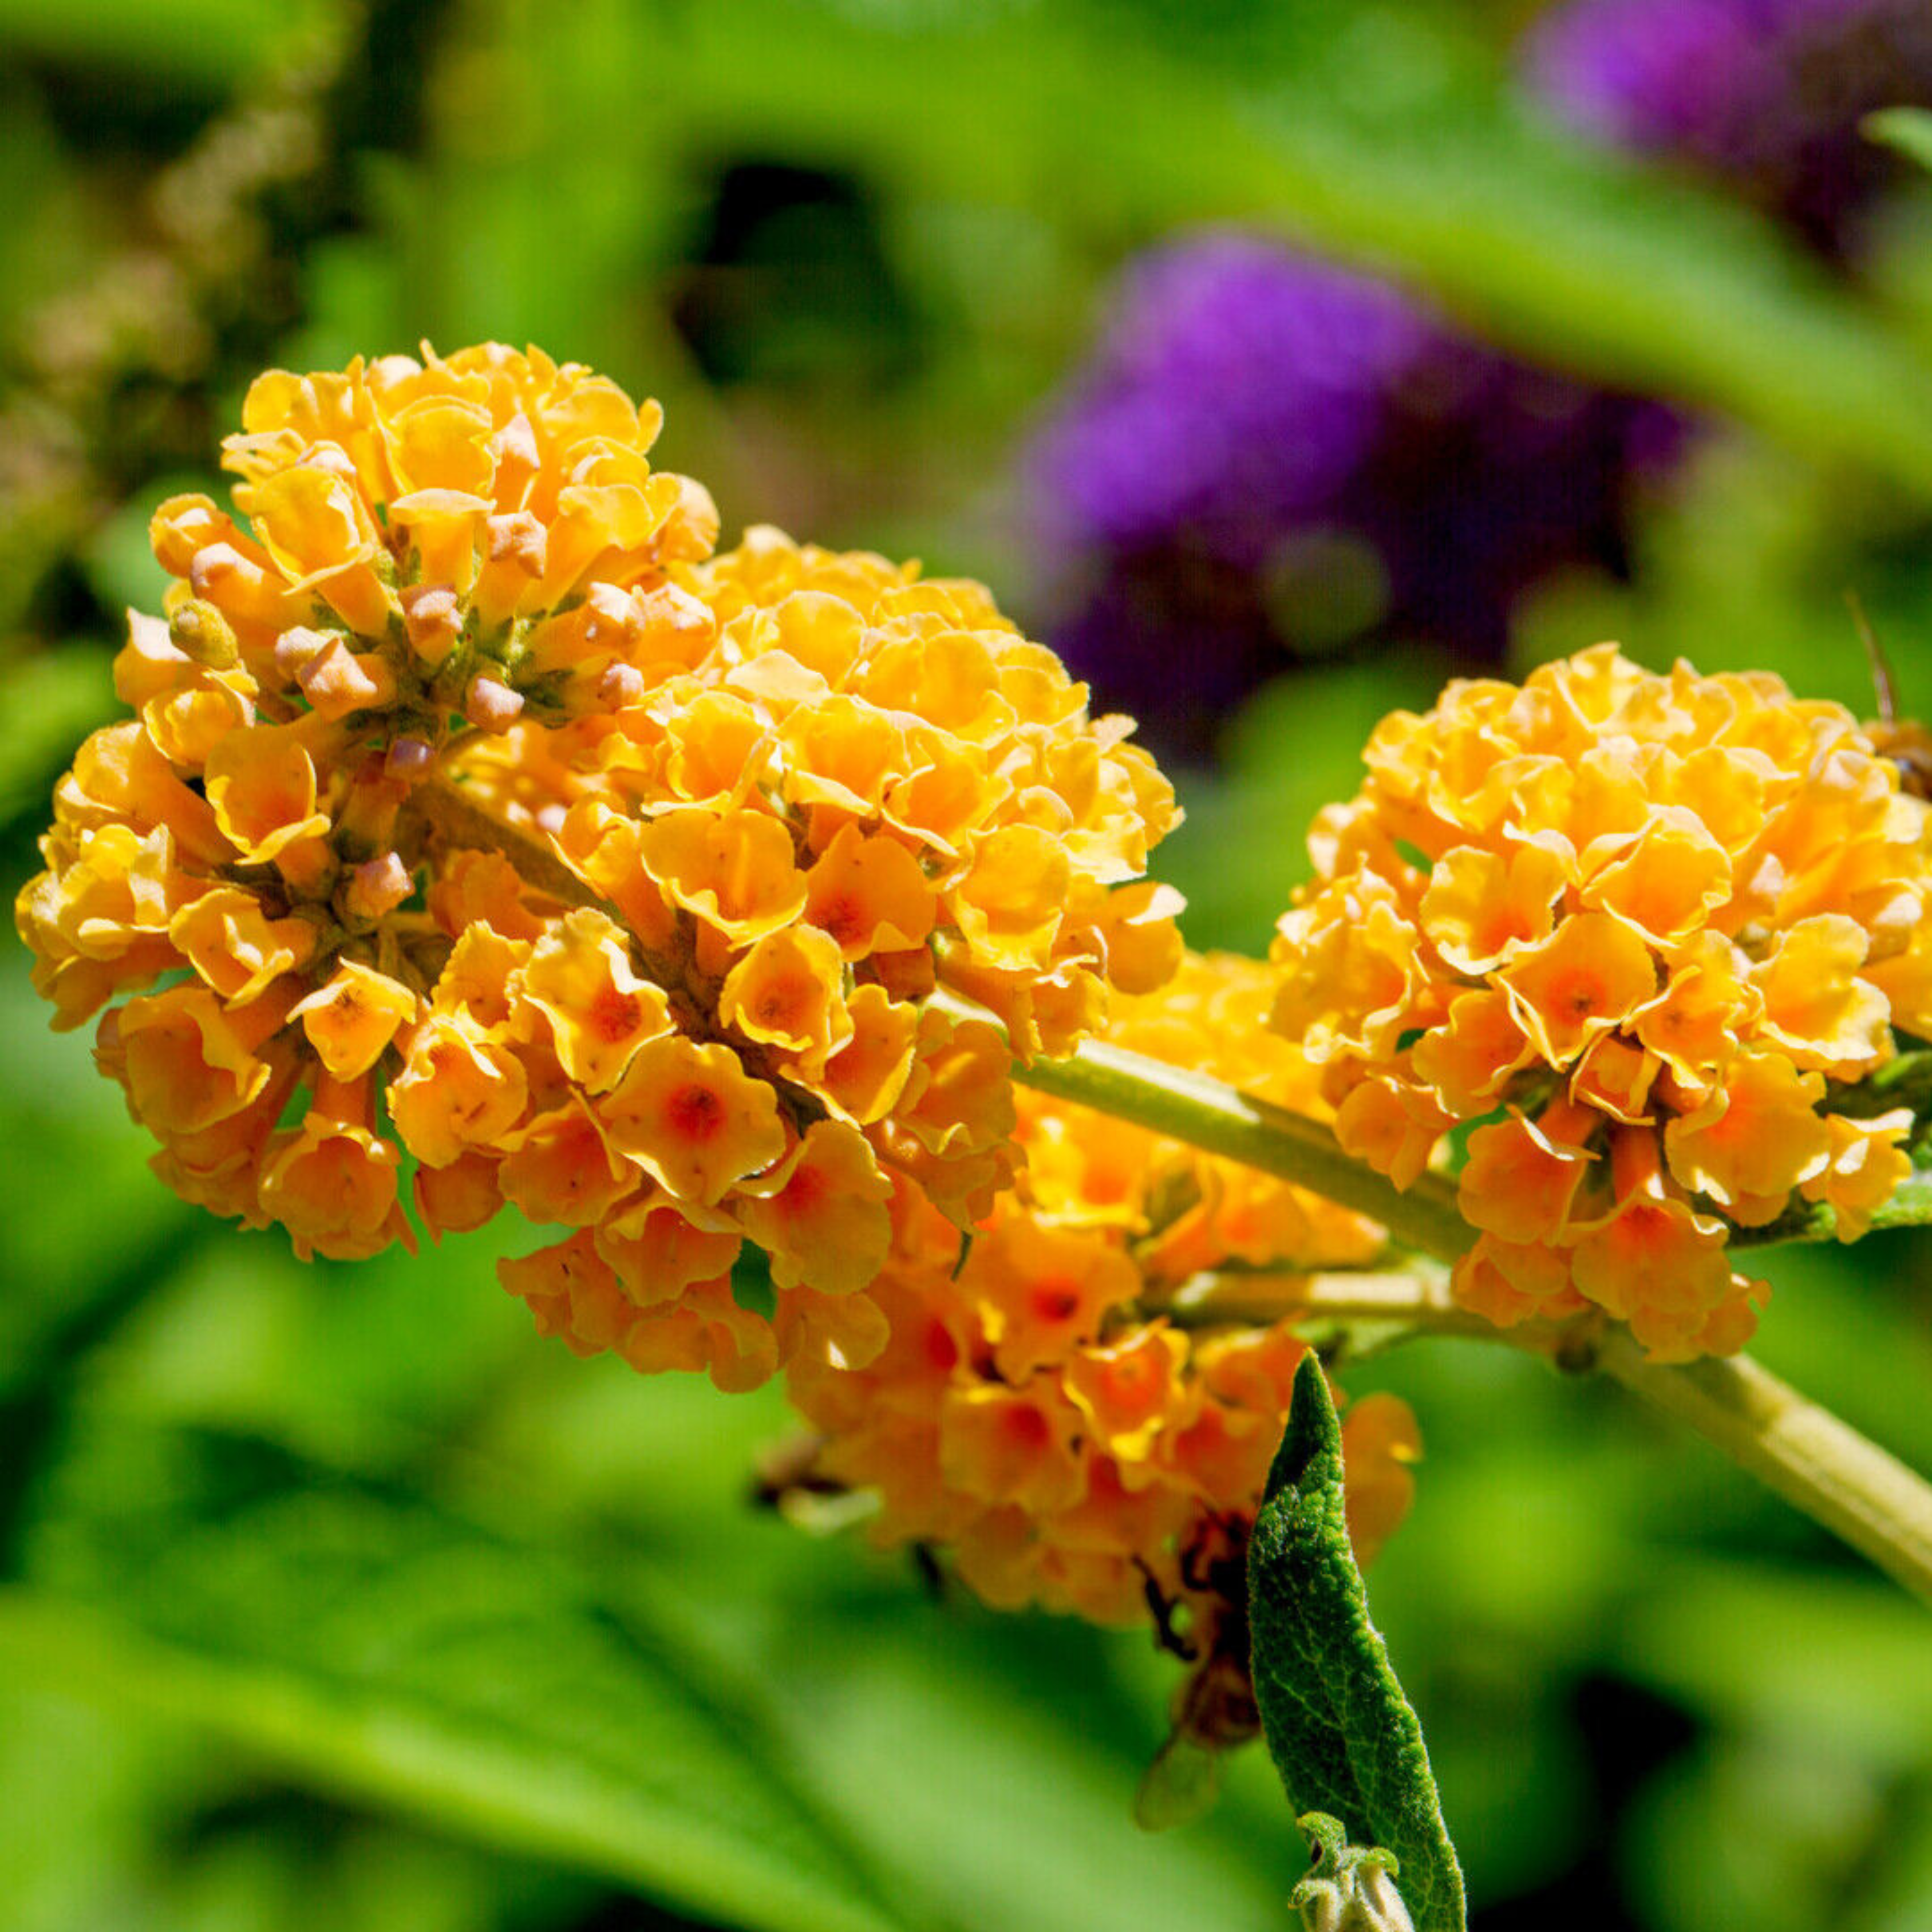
1905	742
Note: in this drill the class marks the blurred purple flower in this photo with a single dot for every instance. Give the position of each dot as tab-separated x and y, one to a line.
1267	454
1765	94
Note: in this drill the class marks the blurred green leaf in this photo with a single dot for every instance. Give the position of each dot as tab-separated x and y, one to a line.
1427	164
1906	130
1813	1656
114	1819
396	1652
1814	1825
100	1230
51	700
211	43
1341	1733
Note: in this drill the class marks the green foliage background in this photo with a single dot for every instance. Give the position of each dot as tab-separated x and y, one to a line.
333	1599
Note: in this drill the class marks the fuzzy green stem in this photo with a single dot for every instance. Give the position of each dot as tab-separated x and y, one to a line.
1416	1300
1208	1114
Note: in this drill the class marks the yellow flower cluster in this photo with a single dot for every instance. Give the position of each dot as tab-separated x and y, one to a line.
1625	928
856	787
1078	1430
477	812
409	531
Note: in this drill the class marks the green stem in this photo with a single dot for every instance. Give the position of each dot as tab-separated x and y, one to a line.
1417	1300
1208	1114
1804	1452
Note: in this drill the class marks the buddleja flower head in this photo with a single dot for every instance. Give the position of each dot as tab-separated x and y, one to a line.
479	815
1062	1411
1628	929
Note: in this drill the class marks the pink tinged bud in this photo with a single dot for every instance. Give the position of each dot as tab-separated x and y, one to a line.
295	647
434	623
621	686
518	539
241	587
514	446
409	759
336	681
491	706
376	887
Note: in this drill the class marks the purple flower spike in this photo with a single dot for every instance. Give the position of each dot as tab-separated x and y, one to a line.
1268	454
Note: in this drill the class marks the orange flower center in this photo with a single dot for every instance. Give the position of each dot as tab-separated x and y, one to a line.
842	917
1579	994
1026	1426
695	1113
784	1003
1055	1301
614	1014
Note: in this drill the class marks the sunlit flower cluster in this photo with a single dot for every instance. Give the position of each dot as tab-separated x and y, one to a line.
408	532
473	811
1065	1411
1623	930
858	788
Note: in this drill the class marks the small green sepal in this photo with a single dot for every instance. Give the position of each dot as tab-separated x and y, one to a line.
1350	1888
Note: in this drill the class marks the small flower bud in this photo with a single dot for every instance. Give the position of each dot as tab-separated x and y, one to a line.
199	630
409	759
1351	1888
296	646
376	887
491	706
433	621
337	680
518	539
620	685
515	444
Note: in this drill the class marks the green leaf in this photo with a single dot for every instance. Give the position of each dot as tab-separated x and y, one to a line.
1906	130
391	1651
1342	1734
